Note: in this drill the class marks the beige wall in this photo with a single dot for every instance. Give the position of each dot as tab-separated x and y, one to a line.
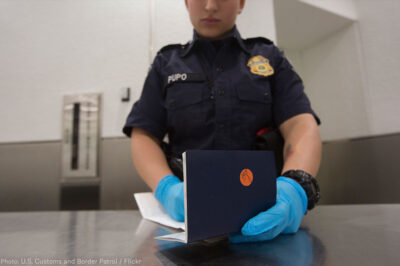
352	171
30	175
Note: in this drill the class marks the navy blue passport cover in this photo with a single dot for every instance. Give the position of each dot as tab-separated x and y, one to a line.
217	202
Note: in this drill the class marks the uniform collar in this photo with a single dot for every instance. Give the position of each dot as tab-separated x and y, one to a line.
233	34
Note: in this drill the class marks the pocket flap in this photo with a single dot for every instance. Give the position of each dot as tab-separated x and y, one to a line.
250	92
180	95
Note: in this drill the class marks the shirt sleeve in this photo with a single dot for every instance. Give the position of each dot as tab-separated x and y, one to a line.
289	98
149	112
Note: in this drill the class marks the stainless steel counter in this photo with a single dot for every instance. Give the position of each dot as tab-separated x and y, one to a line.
329	235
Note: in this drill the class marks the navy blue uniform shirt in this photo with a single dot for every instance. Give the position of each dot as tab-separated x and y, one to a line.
217	95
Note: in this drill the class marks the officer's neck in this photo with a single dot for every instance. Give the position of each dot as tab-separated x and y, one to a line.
223	36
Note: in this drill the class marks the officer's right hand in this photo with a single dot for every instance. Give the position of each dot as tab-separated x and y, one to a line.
169	193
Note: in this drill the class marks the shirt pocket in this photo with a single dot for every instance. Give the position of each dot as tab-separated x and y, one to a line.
186	107
254	105
254	91
182	95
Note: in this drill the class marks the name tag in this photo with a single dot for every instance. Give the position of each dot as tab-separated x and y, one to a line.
185	77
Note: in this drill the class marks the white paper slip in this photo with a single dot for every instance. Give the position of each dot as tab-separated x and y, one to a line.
178	237
152	210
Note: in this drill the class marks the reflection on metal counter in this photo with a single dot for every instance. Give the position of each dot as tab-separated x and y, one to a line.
329	235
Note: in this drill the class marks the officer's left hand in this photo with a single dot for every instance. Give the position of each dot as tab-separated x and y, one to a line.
284	217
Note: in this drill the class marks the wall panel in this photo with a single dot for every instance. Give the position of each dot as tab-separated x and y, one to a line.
52	48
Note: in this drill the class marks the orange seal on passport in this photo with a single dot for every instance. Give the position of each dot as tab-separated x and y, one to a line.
259	65
246	177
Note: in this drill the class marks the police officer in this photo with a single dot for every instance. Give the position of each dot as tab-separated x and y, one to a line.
217	92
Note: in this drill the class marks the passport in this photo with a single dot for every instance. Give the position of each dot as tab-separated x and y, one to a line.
223	190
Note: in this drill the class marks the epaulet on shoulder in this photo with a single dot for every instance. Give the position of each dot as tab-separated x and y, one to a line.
169	47
258	39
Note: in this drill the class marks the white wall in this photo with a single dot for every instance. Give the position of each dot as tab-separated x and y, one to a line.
300	24
52	48
379	26
344	8
257	19
352	75
171	23
332	73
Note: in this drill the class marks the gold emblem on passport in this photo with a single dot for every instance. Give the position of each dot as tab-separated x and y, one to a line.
259	65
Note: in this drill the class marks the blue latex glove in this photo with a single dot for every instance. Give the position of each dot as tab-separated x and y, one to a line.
169	193
284	217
